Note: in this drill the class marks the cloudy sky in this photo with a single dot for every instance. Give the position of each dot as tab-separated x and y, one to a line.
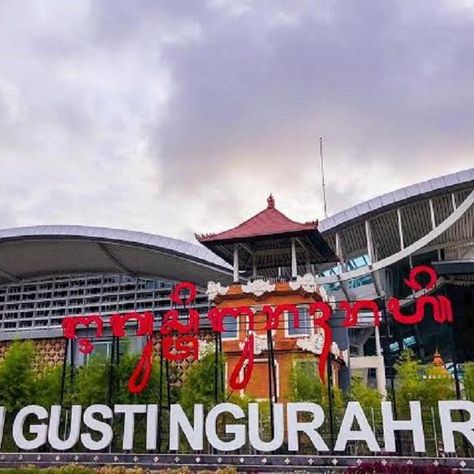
181	116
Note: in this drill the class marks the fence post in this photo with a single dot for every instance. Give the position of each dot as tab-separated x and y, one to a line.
435	436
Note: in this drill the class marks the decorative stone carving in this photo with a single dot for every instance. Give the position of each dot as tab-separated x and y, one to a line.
260	344
258	287
214	289
324	294
344	355
307	282
312	343
205	347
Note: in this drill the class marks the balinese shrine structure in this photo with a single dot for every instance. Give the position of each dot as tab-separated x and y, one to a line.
274	261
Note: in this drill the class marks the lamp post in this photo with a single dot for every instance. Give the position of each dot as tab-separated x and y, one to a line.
330	401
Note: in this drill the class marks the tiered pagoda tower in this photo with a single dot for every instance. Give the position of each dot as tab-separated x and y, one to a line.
274	261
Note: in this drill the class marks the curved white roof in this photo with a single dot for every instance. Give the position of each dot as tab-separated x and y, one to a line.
398	198
399	219
27	252
30	252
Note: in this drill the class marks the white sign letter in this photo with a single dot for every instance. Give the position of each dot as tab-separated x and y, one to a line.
448	426
237	430
308	427
129	423
179	421
355	412
55	423
414	424
40	430
100	426
2	423
151	427
254	428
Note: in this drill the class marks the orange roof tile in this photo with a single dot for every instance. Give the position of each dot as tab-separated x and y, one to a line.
268	222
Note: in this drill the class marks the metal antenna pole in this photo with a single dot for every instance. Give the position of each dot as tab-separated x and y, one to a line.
322	175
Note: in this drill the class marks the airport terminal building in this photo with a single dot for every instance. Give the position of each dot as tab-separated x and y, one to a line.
49	272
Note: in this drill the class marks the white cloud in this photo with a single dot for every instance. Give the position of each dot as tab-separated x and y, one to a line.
177	116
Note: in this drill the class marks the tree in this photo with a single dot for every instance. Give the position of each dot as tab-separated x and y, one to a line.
368	397
427	383
198	383
48	385
409	380
305	384
437	385
91	383
469	380
17	377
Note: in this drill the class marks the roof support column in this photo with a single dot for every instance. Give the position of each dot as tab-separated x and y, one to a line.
433	223
370	244
380	369
236	263
400	229
432	214
9	276
306	253
115	261
341	264
294	266
372	255
339	254
378	345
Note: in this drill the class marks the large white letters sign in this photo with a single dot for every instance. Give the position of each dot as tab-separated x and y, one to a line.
34	426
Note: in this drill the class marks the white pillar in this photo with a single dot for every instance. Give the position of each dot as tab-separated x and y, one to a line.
378	346
236	263
294	267
400	229
432	214
372	255
370	246
339	255
380	377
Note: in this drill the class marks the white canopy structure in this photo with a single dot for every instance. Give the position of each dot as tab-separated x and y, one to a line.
31	252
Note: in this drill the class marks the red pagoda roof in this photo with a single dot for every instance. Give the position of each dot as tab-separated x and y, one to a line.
268	222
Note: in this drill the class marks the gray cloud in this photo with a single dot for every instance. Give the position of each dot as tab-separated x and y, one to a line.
177	116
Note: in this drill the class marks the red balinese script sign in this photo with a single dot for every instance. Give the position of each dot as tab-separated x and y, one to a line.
180	341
